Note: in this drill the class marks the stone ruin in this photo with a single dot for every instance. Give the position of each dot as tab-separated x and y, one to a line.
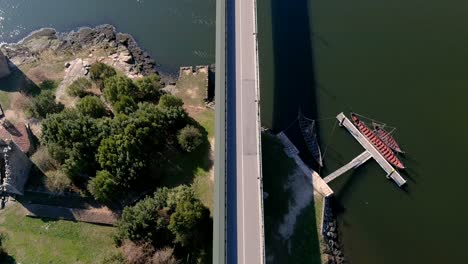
14	168
4	69
14	162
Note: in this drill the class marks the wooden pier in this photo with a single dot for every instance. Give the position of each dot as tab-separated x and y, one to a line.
356	162
391	172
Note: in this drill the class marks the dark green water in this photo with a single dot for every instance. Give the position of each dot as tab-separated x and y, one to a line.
175	32
403	62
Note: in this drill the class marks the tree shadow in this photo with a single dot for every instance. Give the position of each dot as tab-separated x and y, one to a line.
182	167
7	259
17	81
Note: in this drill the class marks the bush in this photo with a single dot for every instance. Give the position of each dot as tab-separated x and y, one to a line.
92	106
44	104
57	181
149	88
43	160
99	72
125	105
168	101
79	87
144	253
189	138
103	187
117	86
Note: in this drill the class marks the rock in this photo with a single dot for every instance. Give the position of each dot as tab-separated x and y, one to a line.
67	64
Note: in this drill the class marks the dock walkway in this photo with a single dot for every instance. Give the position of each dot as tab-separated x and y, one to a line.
356	162
391	172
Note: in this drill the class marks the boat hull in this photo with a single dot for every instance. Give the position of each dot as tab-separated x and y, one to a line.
383	149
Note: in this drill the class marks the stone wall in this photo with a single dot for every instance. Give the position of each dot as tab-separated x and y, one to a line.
330	234
4	70
17	167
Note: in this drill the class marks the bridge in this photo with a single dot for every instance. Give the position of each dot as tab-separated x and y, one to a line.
238	217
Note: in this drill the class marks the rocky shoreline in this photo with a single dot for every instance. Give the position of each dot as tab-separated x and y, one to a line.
119	48
330	234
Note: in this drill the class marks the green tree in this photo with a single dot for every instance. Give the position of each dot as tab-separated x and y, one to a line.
149	88
99	72
171	216
44	104
147	221
73	139
125	105
189	219
103	187
168	101
79	87
92	106
117	86
189	138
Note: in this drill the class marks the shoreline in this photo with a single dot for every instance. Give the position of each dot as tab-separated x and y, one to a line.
142	55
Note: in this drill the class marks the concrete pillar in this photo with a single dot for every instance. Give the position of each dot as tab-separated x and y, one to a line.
4	70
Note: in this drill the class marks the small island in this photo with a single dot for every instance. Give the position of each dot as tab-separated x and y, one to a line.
104	162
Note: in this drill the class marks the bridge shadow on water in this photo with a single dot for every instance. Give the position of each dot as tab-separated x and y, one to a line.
293	88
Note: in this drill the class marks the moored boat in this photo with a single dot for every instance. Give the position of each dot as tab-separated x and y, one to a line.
386	137
383	149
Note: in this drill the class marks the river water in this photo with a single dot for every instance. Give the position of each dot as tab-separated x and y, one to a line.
175	32
402	62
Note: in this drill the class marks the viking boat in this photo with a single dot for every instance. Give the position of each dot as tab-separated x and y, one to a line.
308	129
386	137
384	150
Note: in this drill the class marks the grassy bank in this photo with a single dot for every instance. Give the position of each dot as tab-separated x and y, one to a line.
303	246
31	240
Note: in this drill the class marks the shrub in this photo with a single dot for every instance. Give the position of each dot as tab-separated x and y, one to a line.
99	72
145	253
57	181
189	138
43	160
92	106
117	86
103	187
149	88
79	87
168	101
125	105
44	104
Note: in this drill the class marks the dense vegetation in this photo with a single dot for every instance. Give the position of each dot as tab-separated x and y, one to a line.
172	217
119	150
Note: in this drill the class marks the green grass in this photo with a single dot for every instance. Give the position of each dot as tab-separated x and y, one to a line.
305	245
32	240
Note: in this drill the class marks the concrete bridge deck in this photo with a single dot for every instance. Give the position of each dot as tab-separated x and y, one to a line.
391	172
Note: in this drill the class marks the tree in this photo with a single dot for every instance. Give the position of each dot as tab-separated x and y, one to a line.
79	87
125	105
146	221
73	138
168	101
171	216
189	138
103	187
149	88
92	106
117	86
44	104
190	218
99	72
